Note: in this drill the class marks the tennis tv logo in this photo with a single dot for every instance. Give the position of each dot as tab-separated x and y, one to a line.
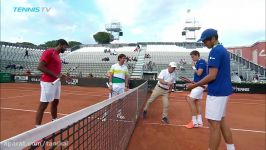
32	9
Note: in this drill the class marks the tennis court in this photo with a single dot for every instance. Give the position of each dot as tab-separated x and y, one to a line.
19	102
246	116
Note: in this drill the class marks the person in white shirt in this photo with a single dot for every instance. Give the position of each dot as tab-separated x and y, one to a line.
166	80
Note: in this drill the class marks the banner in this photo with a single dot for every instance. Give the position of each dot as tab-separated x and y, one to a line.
5	77
21	78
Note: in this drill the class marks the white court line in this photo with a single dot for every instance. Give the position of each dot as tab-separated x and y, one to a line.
27	110
178	99
247	103
176	125
71	91
18	96
105	94
15	109
87	94
182	101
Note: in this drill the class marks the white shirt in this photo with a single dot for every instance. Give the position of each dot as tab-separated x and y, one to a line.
166	76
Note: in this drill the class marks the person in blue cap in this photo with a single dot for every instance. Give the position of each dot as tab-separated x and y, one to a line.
219	90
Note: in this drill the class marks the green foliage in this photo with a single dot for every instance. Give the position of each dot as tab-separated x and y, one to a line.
53	43
74	43
26	44
103	37
50	43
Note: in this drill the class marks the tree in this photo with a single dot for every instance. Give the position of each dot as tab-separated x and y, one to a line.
74	43
26	44
50	43
53	43
103	37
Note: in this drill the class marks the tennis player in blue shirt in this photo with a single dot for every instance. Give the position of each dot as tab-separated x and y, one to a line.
196	94
219	89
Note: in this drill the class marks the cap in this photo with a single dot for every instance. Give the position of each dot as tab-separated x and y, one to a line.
207	33
172	64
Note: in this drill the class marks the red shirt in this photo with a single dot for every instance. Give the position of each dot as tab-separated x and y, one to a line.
53	63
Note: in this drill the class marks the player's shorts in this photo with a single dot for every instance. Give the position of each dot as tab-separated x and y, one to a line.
216	107
117	90
197	93
49	92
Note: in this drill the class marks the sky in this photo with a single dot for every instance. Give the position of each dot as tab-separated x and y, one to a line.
239	22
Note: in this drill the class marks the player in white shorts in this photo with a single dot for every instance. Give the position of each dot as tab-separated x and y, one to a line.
219	89
50	66
118	81
199	66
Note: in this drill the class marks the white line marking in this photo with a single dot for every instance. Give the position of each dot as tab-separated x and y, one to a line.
38	89
247	103
65	92
15	109
27	110
242	102
176	125
18	96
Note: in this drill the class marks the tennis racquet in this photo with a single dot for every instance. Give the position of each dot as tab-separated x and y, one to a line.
58	79
189	81
108	85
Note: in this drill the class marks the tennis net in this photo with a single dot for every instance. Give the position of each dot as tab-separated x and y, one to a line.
98	127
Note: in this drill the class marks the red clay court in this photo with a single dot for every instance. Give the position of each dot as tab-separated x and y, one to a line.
245	115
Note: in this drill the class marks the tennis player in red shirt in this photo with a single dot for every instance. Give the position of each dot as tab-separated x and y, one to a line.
50	66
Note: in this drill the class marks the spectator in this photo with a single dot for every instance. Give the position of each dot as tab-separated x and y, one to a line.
80	74
26	54
255	78
28	72
90	75
241	77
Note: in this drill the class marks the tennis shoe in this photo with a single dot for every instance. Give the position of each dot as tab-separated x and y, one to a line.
165	120
200	125
144	114
190	125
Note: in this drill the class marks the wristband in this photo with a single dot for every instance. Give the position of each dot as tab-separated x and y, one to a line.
110	83
194	68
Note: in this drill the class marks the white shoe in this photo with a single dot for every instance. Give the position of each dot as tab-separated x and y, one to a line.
200	124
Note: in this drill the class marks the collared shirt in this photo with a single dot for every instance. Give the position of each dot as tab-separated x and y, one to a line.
119	74
219	58
52	62
166	76
200	64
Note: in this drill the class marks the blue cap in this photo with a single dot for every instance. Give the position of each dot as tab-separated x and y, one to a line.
207	33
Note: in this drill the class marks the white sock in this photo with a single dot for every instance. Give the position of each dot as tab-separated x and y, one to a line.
230	146
194	120
199	119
